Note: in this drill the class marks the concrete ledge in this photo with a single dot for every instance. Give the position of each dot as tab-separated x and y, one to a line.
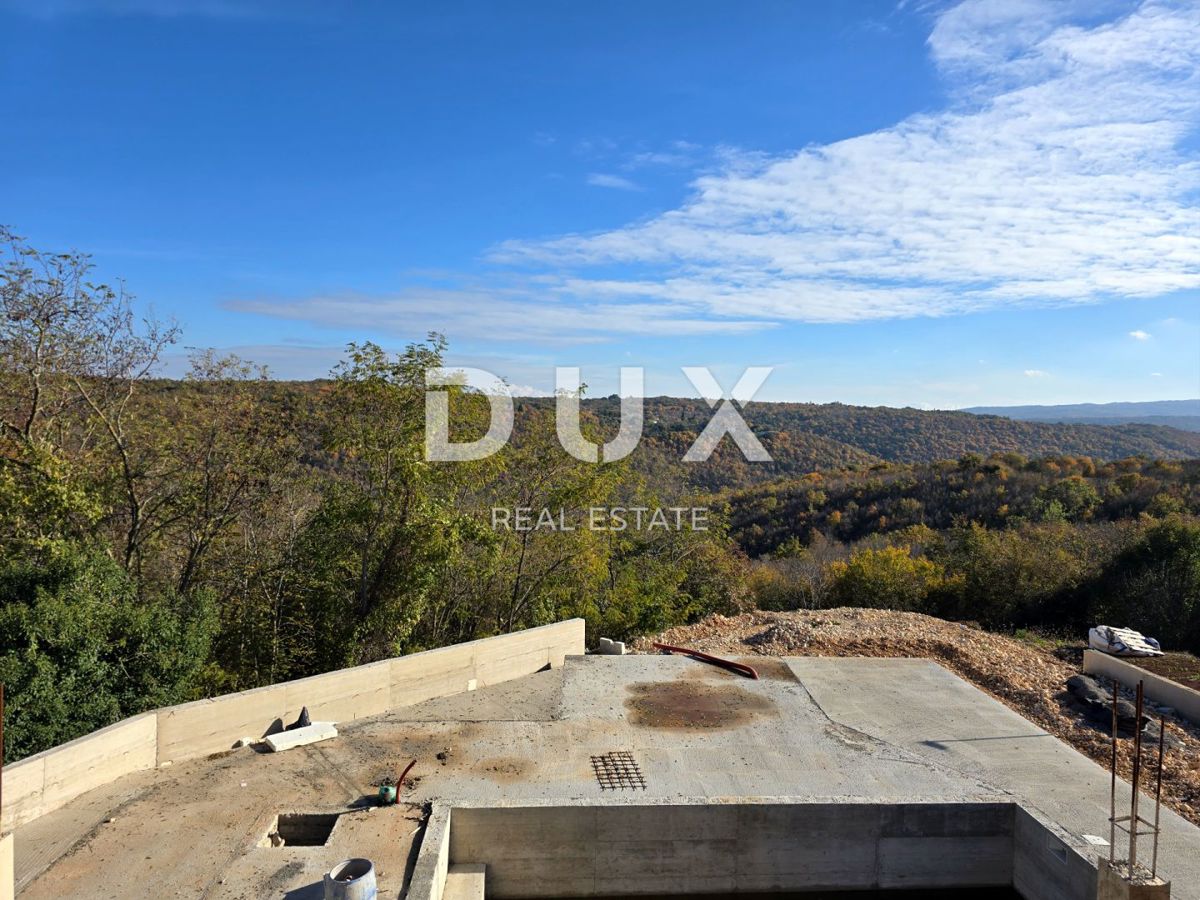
433	860
48	780
1163	691
52	778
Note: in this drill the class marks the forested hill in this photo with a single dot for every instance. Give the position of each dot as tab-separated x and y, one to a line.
803	437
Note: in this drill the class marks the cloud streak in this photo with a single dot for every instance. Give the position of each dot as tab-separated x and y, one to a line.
600	179
1057	177
1059	173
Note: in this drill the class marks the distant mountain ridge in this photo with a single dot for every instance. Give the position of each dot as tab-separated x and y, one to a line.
1182	414
803	437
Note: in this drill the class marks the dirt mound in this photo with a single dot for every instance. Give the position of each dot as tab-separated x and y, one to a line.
1029	679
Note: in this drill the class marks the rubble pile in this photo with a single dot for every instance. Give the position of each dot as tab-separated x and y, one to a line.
1028	678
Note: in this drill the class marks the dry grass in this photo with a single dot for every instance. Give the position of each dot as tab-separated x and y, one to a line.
1026	677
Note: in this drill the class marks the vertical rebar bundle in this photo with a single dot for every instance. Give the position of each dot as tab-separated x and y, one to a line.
1133	822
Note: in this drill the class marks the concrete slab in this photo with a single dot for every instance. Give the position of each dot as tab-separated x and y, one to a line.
830	733
918	706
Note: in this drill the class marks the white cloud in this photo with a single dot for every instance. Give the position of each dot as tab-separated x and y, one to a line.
1035	373
600	179
1140	335
1063	171
1058	175
532	311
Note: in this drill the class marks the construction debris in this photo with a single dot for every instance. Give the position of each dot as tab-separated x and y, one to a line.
298	737
611	647
302	722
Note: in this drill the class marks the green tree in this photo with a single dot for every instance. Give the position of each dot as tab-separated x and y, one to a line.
1154	585
79	649
387	523
889	578
1074	498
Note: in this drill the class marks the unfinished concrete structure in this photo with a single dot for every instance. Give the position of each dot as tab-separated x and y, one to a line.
542	772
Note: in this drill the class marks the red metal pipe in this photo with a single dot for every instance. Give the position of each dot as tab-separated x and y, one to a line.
739	668
404	774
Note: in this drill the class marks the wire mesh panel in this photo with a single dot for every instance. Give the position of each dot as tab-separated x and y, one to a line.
618	771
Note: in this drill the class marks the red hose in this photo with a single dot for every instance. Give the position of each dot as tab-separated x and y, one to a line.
739	668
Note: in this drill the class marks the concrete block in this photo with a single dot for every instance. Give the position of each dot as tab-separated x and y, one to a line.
299	737
1112	885
98	758
23	784
611	648
208	726
465	882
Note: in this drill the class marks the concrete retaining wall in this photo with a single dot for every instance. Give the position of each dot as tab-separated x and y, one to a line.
585	851
1183	700
48	780
1048	862
433	860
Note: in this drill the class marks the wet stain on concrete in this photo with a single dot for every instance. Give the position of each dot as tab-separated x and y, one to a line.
770	667
693	703
504	769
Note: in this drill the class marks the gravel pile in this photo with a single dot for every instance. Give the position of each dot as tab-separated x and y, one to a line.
1027	678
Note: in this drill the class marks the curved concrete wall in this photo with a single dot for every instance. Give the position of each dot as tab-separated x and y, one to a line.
50	779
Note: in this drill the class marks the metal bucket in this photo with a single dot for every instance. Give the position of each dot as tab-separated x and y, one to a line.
351	879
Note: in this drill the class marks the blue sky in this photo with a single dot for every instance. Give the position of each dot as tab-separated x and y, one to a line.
902	203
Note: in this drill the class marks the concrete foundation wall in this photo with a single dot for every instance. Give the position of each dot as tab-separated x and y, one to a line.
584	851
1048	863
48	780
1183	700
433	861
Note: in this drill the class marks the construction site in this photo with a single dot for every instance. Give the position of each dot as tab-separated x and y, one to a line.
524	766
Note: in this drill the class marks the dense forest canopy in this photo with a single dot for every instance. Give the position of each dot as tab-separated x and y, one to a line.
163	540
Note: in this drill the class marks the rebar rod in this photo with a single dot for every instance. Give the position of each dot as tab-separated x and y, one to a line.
1112	799
1136	780
1162	739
